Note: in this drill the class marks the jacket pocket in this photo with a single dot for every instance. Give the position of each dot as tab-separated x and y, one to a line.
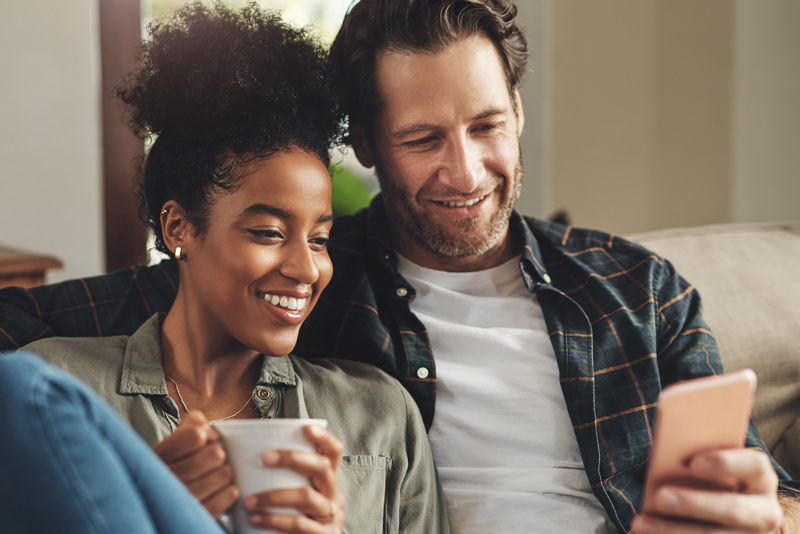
363	481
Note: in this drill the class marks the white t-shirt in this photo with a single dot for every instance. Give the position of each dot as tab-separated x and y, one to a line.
501	436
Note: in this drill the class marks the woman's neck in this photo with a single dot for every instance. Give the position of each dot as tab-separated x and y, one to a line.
202	357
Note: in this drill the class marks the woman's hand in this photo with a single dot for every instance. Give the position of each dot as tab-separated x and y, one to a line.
321	504
194	454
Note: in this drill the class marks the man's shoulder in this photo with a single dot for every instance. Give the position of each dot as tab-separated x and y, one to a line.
572	239
590	249
110	304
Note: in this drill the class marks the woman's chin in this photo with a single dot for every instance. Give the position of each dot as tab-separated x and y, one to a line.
277	347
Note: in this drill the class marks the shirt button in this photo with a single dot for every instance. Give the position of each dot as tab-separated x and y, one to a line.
546	278
422	372
402	292
263	393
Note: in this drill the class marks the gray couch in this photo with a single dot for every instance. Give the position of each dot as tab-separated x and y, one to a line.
749	278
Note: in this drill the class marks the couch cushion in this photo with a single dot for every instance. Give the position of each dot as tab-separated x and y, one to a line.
748	276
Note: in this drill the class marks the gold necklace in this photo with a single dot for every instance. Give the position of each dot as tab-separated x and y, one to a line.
183	403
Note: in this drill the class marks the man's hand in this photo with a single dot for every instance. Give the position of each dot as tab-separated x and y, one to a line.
752	507
194	454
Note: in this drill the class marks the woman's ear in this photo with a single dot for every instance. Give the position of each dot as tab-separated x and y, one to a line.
175	228
361	146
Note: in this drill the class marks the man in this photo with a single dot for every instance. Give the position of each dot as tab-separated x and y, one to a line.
551	344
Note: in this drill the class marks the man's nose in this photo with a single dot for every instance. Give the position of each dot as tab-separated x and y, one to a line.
463	168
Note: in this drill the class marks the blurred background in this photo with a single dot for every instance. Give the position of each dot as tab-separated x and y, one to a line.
640	115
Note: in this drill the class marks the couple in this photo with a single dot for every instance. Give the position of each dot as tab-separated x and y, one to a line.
551	343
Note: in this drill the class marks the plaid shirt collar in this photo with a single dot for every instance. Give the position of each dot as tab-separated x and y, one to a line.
379	239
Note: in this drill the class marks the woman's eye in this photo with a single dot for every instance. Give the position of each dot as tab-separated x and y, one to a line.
318	242
267	234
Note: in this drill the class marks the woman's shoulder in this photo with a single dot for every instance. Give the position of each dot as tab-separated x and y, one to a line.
363	404
346	376
92	359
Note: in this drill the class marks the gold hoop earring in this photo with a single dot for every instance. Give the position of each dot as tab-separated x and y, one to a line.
178	254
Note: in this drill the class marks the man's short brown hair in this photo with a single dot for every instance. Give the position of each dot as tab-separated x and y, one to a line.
373	26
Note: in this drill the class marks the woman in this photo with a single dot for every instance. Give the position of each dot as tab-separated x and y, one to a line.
236	188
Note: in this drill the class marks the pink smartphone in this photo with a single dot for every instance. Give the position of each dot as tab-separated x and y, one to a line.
697	416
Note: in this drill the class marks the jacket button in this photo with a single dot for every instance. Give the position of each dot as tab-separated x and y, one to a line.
422	372
402	292
263	393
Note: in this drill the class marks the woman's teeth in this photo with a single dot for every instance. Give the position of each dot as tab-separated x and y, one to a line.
290	303
463	203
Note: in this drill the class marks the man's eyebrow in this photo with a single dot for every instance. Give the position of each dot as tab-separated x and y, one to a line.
325	218
414	128
257	209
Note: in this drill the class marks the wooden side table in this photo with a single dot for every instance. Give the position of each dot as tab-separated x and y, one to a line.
26	269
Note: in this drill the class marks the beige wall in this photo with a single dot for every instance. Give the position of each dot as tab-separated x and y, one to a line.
50	132
664	113
640	121
767	111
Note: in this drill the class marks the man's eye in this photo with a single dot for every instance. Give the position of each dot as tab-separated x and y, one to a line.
420	142
488	126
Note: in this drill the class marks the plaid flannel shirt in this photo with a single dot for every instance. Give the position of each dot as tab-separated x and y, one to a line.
622	322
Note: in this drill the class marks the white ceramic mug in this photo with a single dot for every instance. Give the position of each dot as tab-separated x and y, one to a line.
245	442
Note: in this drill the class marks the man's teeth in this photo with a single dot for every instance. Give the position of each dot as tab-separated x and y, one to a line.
463	203
290	303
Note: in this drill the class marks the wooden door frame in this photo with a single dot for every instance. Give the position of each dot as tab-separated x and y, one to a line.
120	38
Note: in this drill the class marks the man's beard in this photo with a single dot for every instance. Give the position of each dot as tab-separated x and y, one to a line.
425	231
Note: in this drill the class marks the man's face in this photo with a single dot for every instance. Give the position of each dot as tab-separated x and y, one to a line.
446	150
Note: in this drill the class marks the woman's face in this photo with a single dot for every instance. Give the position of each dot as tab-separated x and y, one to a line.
260	267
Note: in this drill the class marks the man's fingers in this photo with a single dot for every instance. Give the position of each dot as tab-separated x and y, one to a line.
749	468
737	511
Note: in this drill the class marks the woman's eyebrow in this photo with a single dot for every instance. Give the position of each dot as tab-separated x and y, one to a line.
267	209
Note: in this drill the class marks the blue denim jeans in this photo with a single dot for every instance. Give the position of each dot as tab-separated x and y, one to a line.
70	464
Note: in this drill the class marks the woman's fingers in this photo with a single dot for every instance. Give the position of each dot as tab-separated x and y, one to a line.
193	453
307	501
199	463
193	433
320	515
221	502
326	443
211	484
293	524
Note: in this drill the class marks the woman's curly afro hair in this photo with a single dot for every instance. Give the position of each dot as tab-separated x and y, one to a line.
219	89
